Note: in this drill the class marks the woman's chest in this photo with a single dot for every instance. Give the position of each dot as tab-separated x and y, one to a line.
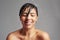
31	38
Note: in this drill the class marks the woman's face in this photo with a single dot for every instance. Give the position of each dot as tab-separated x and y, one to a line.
28	18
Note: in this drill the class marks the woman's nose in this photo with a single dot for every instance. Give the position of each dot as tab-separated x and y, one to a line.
28	16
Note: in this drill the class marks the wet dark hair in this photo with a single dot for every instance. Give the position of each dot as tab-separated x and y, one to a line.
26	6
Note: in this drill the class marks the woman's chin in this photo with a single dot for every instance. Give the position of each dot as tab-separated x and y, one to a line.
28	26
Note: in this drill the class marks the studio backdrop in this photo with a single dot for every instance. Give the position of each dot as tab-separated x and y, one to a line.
49	16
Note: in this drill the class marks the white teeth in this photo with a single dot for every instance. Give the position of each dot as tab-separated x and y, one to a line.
28	22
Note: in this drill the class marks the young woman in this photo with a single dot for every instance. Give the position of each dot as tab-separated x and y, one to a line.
28	16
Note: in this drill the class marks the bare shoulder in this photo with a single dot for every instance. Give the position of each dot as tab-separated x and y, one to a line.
13	35
10	36
43	34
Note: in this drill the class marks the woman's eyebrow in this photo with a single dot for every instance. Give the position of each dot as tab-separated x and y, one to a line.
24	13
32	13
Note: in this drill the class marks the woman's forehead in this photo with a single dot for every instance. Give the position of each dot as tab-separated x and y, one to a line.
28	10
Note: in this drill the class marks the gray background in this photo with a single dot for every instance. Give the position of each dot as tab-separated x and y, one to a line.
49	16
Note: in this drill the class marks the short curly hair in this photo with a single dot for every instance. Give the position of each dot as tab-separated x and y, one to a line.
26	5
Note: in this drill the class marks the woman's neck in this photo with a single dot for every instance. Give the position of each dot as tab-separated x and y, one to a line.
29	32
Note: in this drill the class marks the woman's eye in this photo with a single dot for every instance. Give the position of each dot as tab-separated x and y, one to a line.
23	14
32	15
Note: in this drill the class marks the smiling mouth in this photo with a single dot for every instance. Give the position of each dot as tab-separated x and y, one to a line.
28	22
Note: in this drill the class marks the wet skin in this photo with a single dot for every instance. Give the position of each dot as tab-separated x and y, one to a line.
28	31
28	18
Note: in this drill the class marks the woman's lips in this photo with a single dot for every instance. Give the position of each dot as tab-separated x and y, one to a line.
28	22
